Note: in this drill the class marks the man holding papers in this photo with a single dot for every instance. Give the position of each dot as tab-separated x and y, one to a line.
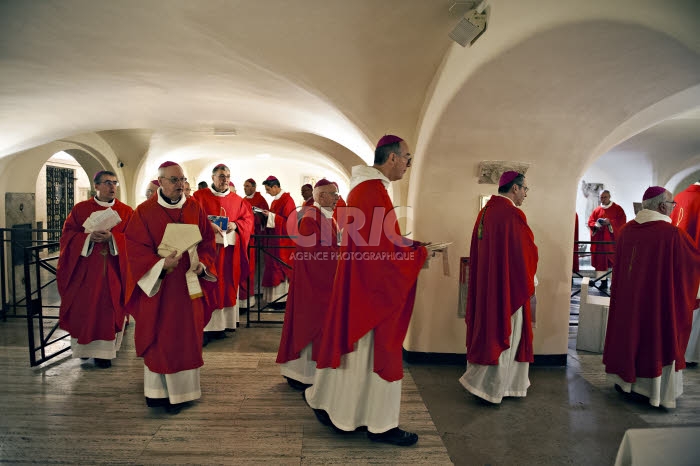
170	245
91	267
220	203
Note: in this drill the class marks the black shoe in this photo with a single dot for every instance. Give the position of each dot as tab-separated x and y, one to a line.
103	363
84	359
174	408
394	436
295	384
323	417
603	284
691	365
218	335
157	402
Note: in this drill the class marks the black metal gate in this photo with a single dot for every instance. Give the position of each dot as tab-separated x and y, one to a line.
60	197
46	340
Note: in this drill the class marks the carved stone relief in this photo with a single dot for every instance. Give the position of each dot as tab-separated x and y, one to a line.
490	171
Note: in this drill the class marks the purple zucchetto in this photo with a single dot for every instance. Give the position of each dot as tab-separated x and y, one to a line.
653	192
507	177
388	139
167	164
323	182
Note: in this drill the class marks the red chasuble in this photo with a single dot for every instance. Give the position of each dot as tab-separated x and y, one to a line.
657	272
501	280
339	214
232	261
686	215
283	208
375	284
258	201
169	325
92	304
315	261
617	218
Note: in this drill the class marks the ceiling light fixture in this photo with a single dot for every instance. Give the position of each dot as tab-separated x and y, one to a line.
471	26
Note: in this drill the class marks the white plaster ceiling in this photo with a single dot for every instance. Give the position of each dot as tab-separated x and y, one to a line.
321	78
332	69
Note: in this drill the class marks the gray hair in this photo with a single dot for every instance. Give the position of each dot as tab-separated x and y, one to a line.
654	202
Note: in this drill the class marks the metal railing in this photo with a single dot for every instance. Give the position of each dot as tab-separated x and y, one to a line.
13	241
41	340
261	247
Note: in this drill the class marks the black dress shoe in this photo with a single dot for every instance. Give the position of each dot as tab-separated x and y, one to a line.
691	364
103	363
295	384
84	359
394	436
157	402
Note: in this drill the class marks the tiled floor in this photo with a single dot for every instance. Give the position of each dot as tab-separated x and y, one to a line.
67	411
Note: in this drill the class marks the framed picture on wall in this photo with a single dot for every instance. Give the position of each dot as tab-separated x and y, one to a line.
483	199
309	179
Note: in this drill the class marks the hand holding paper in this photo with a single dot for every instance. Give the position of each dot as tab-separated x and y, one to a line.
178	238
101	220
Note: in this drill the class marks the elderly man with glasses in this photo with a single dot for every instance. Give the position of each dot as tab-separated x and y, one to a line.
315	260
657	273
91	267
499	314
220	201
171	297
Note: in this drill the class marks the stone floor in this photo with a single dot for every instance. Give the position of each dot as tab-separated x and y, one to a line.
69	412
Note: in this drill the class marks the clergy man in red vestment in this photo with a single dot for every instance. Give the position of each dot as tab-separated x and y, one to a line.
315	260
657	274
254	199
358	377
152	187
91	267
502	283
231	248
686	216
339	214
171	298
307	193
604	222
276	276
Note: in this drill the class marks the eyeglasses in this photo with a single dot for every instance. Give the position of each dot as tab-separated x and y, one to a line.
109	183
224	177
673	203
523	187
335	194
409	158
175	180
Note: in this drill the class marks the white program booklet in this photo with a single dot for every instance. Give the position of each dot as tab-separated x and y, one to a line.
179	237
101	220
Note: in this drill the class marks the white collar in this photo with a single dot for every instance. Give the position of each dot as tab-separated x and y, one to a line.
218	194
362	173
607	206
279	194
646	215
251	196
326	212
105	204
179	204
